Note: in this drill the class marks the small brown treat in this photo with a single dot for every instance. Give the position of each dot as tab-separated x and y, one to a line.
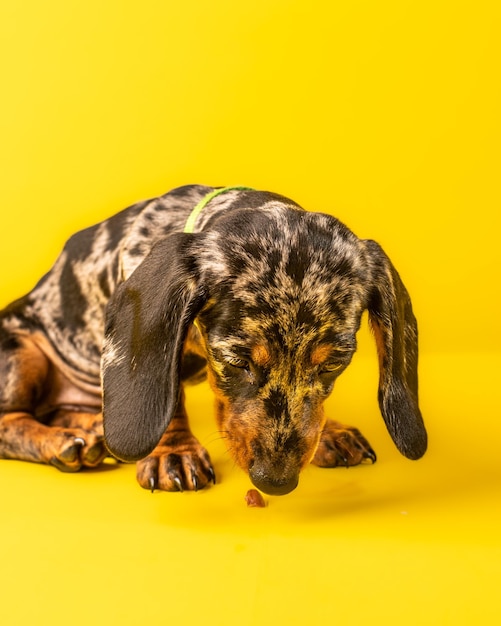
254	498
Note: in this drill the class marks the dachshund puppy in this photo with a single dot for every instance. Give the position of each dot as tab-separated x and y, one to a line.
240	285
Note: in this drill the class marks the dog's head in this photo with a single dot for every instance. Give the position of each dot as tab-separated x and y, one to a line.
278	296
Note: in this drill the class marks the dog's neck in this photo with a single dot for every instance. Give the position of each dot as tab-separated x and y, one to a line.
199	207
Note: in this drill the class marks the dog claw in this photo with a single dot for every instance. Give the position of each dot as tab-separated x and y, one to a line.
194	480
212	475
178	483
152	484
79	441
370	454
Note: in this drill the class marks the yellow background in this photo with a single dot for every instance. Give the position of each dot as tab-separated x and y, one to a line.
386	114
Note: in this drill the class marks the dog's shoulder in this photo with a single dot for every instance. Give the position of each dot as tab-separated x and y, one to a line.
157	219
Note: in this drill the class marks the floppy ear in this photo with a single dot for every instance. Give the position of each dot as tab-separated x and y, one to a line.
395	331
146	325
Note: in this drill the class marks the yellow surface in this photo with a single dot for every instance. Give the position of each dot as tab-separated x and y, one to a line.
383	113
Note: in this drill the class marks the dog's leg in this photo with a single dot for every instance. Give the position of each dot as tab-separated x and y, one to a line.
178	462
25	373
342	445
69	449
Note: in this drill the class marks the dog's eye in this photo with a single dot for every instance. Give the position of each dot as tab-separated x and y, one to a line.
236	362
330	368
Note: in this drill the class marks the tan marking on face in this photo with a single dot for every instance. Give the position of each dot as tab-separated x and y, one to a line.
320	354
261	355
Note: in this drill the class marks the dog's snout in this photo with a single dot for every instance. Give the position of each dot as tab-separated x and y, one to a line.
272	482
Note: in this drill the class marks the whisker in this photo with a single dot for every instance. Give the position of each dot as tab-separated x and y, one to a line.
216	436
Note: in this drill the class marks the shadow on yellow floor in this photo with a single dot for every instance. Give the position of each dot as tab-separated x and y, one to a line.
399	542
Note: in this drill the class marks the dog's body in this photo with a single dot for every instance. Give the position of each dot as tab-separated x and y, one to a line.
264	296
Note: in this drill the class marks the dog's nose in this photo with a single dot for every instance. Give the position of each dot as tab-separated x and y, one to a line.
271	484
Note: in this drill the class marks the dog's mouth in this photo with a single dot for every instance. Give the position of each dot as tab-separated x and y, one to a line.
273	482
272	460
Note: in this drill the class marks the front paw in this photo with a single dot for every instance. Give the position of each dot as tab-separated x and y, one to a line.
71	449
342	445
185	467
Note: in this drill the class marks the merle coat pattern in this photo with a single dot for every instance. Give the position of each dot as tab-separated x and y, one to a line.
263	297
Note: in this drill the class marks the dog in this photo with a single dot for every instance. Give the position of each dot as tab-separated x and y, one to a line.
242	286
